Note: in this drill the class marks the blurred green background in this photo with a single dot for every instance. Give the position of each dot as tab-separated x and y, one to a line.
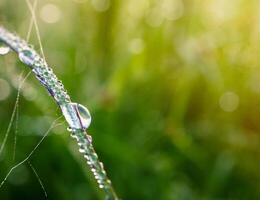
174	91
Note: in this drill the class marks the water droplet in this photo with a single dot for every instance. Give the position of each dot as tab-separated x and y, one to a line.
101	165
76	115
93	158
4	49
89	138
73	133
85	117
27	56
82	150
81	141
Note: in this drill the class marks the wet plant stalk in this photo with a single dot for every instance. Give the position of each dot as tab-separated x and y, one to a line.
76	115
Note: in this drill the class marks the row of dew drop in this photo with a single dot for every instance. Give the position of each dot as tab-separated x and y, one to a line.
26	56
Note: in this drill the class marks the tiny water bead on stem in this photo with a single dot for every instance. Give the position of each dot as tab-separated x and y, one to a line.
77	116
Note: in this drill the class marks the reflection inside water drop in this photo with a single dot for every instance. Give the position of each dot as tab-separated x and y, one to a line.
4	49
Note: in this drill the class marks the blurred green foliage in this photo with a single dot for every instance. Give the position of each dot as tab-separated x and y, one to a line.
174	91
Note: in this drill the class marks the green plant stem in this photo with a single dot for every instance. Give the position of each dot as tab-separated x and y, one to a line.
70	111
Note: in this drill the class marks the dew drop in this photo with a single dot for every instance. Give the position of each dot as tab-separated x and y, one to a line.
76	115
82	150
85	117
70	130
4	49
73	133
101	165
81	141
26	56
89	138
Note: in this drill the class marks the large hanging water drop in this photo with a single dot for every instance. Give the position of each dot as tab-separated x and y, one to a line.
4	49
76	115
85	117
27	56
